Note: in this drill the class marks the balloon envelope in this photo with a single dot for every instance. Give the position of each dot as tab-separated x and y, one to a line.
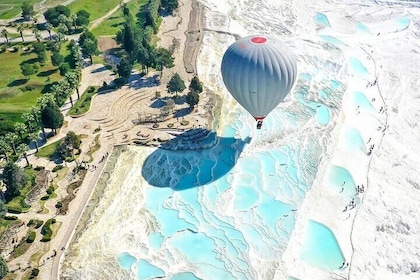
259	71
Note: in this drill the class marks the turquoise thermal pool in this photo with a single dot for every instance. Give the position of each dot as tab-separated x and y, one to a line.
320	247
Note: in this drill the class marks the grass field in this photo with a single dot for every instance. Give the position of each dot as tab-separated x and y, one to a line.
82	105
13	100
49	150
96	8
113	24
11	8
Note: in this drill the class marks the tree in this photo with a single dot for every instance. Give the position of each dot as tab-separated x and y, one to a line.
129	36
5	33
28	69
5	148
12	139
49	27
60	91
196	85
72	139
36	33
22	149
35	111
83	13
33	137
124	68
73	21
169	5
73	77
56	58
89	44
175	84
163	59
20	29
192	98
20	129
27	10
64	68
52	117
29	121
3	268
52	14
14	178
82	18
3	212
41	51
145	57
68	145
62	28
90	48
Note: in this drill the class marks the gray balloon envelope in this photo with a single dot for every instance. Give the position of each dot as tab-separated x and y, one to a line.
259	71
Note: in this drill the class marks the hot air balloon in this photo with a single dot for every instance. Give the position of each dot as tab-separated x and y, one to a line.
259	71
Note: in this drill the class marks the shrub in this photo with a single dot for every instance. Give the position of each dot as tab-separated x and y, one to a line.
10	218
45	197
31	237
28	88
57	167
185	122
50	190
91	89
34	273
59	204
39	168
46	230
14	209
35	222
68	159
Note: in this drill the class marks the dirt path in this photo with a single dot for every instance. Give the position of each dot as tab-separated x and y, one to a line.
98	21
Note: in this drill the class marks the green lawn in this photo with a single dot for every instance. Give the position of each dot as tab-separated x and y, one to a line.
49	150
18	203
11	8
83	104
114	23
96	8
13	99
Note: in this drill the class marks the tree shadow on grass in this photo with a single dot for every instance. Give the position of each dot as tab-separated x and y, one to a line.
185	169
30	61
47	88
18	82
46	73
117	24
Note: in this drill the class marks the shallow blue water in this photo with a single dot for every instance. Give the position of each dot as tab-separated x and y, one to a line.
362	27
184	276
320	247
362	102
354	140
403	22
125	260
323	114
357	67
333	40
341	180
146	270
321	19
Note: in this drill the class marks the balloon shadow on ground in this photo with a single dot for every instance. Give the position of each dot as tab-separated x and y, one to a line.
185	169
